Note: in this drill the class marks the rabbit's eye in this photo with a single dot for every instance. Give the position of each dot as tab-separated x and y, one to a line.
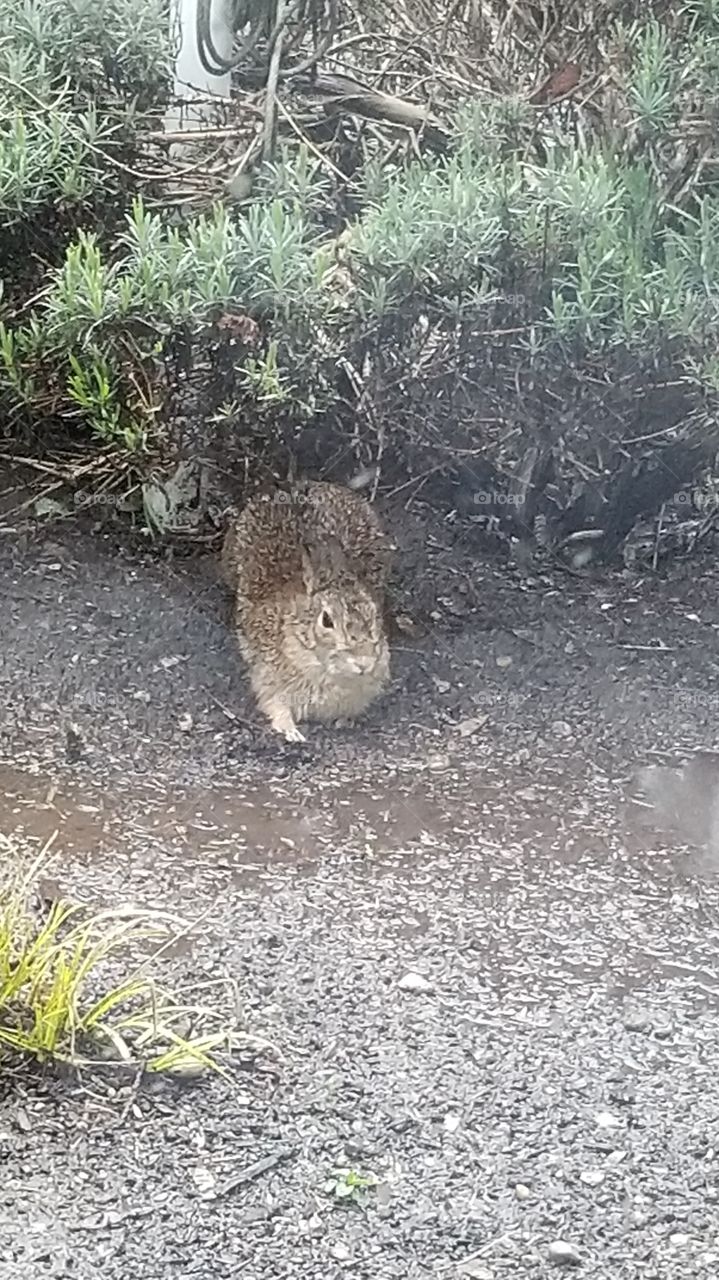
326	620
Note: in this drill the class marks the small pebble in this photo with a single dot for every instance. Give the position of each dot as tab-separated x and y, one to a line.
340	1252
522	1192
437	762
636	1022
592	1177
623	1094
564	1254
561	729
383	1194
466	728
256	1213
679	1239
605	1120
170	661
22	1120
414	982
204	1179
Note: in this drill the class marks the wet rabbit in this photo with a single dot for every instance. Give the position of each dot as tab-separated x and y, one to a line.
309	567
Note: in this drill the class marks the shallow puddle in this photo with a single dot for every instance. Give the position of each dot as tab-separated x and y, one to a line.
530	857
245	828
249	828
35	805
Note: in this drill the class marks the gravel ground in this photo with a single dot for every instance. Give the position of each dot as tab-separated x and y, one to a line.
492	981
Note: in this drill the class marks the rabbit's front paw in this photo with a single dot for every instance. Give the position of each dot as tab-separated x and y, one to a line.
283	722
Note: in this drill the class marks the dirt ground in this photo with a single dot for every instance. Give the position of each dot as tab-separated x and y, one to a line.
541	1093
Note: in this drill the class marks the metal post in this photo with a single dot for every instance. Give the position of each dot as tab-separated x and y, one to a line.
194	87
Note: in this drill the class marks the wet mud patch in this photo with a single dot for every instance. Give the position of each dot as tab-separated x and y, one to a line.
541	860
461	799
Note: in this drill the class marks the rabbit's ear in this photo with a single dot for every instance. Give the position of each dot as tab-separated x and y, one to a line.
323	563
309	567
334	560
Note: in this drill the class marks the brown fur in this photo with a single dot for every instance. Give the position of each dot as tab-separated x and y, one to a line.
309	568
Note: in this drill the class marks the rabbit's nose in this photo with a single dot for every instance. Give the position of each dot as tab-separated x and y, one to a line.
363	662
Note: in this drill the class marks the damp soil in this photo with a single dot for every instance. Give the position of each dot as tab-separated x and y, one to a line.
481	926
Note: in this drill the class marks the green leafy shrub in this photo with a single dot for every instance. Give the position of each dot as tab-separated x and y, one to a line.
95	340
105	49
572	235
458	236
76	83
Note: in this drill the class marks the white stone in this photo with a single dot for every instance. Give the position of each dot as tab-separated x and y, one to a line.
564	1253
414	982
